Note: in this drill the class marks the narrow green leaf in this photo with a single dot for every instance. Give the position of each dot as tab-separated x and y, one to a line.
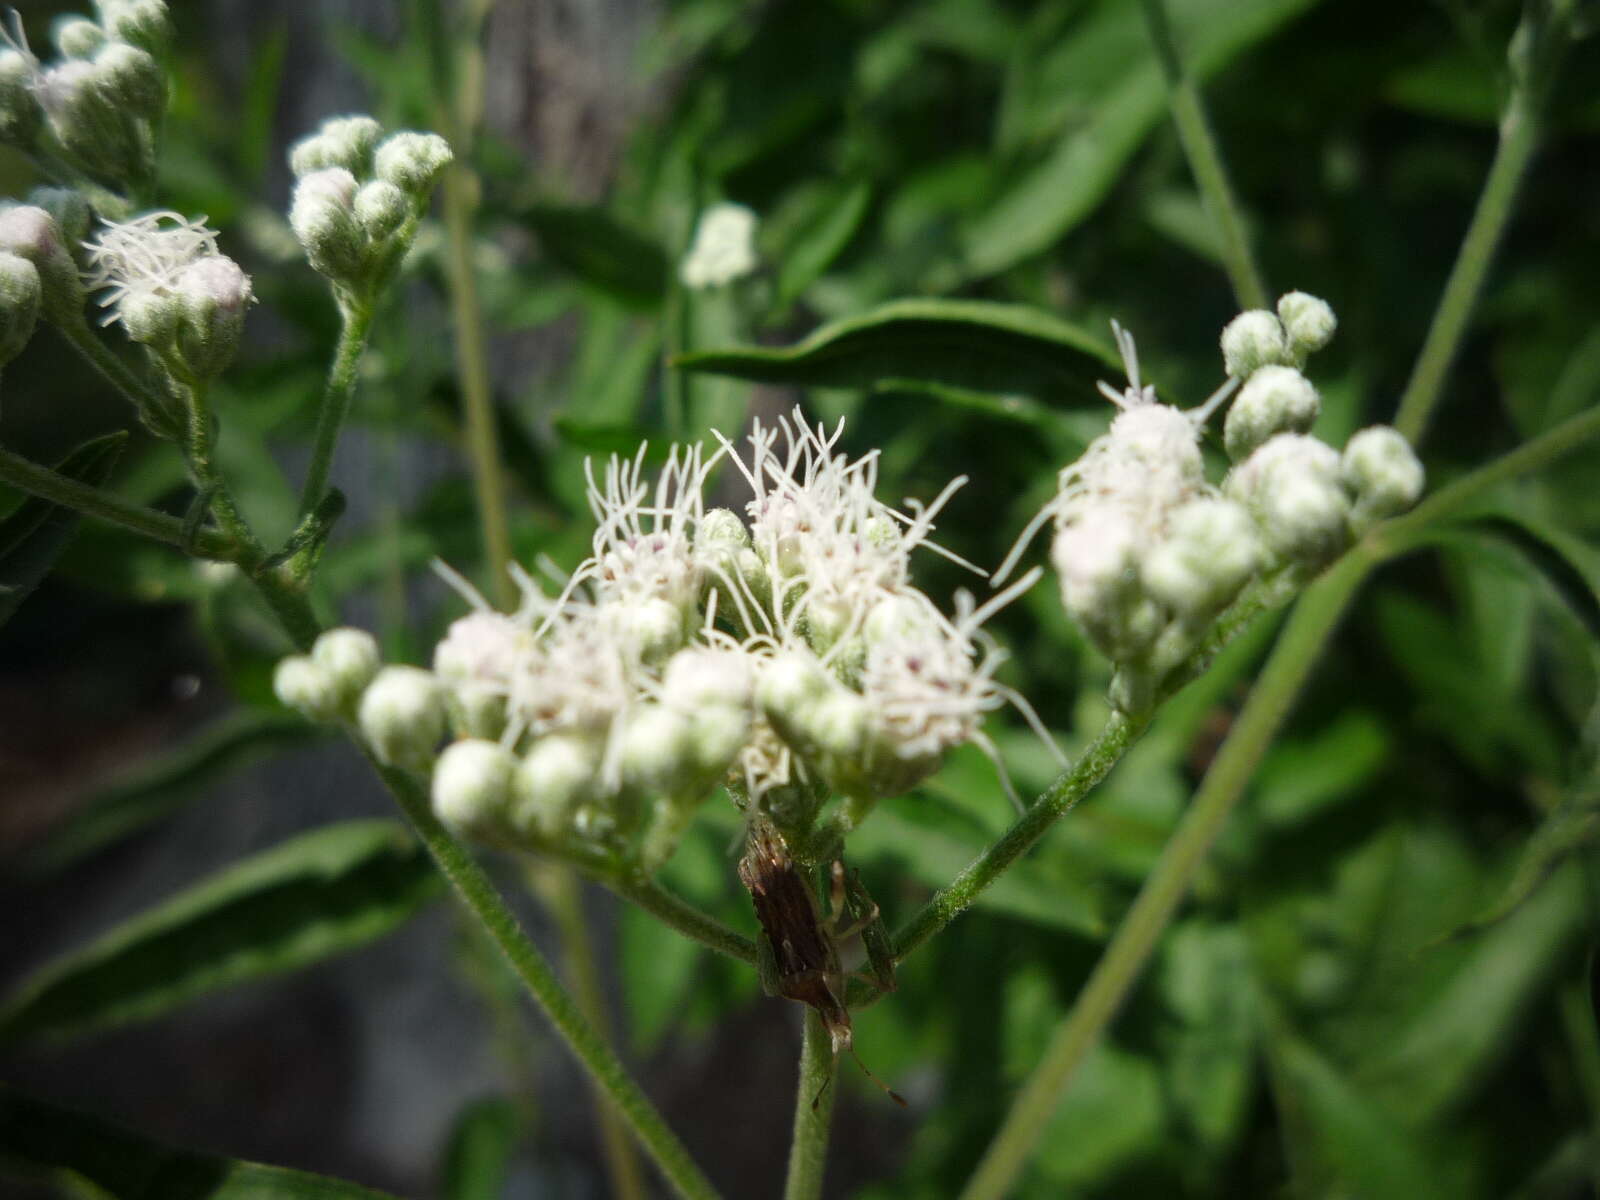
1550	561
41	1139
602	252
34	535
316	895
974	345
814	246
479	1154
161	784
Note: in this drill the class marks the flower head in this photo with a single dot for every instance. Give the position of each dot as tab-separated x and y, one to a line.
723	248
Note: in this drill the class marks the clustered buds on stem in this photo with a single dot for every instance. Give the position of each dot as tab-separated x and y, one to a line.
359	198
785	658
1149	553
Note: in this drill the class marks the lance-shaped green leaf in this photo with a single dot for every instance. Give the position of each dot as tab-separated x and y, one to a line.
34	535
1550	560
478	1157
42	1139
977	345
819	235
316	895
602	252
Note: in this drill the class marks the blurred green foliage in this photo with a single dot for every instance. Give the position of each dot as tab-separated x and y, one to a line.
1384	984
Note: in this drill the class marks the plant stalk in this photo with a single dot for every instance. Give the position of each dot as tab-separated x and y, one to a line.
355	326
1307	630
680	915
1205	161
813	1112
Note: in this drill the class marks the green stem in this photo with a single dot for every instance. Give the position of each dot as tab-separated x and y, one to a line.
474	890
1292	658
1537	46
1205	160
813	1110
355	326
1073	784
558	887
682	916
36	480
473	372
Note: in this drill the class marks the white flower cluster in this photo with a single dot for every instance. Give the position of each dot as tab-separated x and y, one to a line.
99	106
787	658
723	249
1149	553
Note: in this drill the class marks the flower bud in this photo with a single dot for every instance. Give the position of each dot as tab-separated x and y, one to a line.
789	686
131	79
307	688
322	217
77	37
719	537
1274	400
554	779
87	104
151	318
345	142
1210	552
20	114
472	788
654	750
402	714
412	161
838	724
897	616
713	689
1291	486
381	209
19	304
723	249
68	207
214	294
141	23
474	663
1251	340
1308	322
351	659
651	629
31	233
1382	472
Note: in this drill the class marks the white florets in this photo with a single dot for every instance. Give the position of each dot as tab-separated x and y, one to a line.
723	248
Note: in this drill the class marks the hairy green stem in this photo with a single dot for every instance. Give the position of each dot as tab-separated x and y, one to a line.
558	887
355	326
41	481
813	1111
682	916
1537	47
109	367
475	891
1073	784
1205	160
1120	966
472	366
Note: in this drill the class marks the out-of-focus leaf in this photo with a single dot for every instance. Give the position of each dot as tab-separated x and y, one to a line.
658	968
1079	170
1451	1042
1113	1116
1550	561
259	104
808	250
43	1140
1341	1142
1210	1051
478	1157
601	251
1301	777
969	344
35	533
316	895
163	783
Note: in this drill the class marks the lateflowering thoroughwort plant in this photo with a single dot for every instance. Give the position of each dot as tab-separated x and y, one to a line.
770	667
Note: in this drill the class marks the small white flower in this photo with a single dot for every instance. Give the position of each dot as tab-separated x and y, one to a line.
1275	399
1291	486
402	714
1382	472
307	688
723	248
351	659
146	256
1252	340
1307	321
472	788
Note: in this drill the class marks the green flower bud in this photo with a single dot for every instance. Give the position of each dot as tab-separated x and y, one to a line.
413	161
141	23
351	659
555	778
70	210
651	629
713	689
1382	472
654	750
381	209
77	37
20	114
132	80
1274	400
1254	339
1308	322
345	142
19	304
152	319
1210	552
31	233
402	714
1291	486
89	105
472	788
307	688
322	217
213	293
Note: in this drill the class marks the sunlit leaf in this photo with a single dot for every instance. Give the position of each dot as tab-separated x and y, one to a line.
478	1157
